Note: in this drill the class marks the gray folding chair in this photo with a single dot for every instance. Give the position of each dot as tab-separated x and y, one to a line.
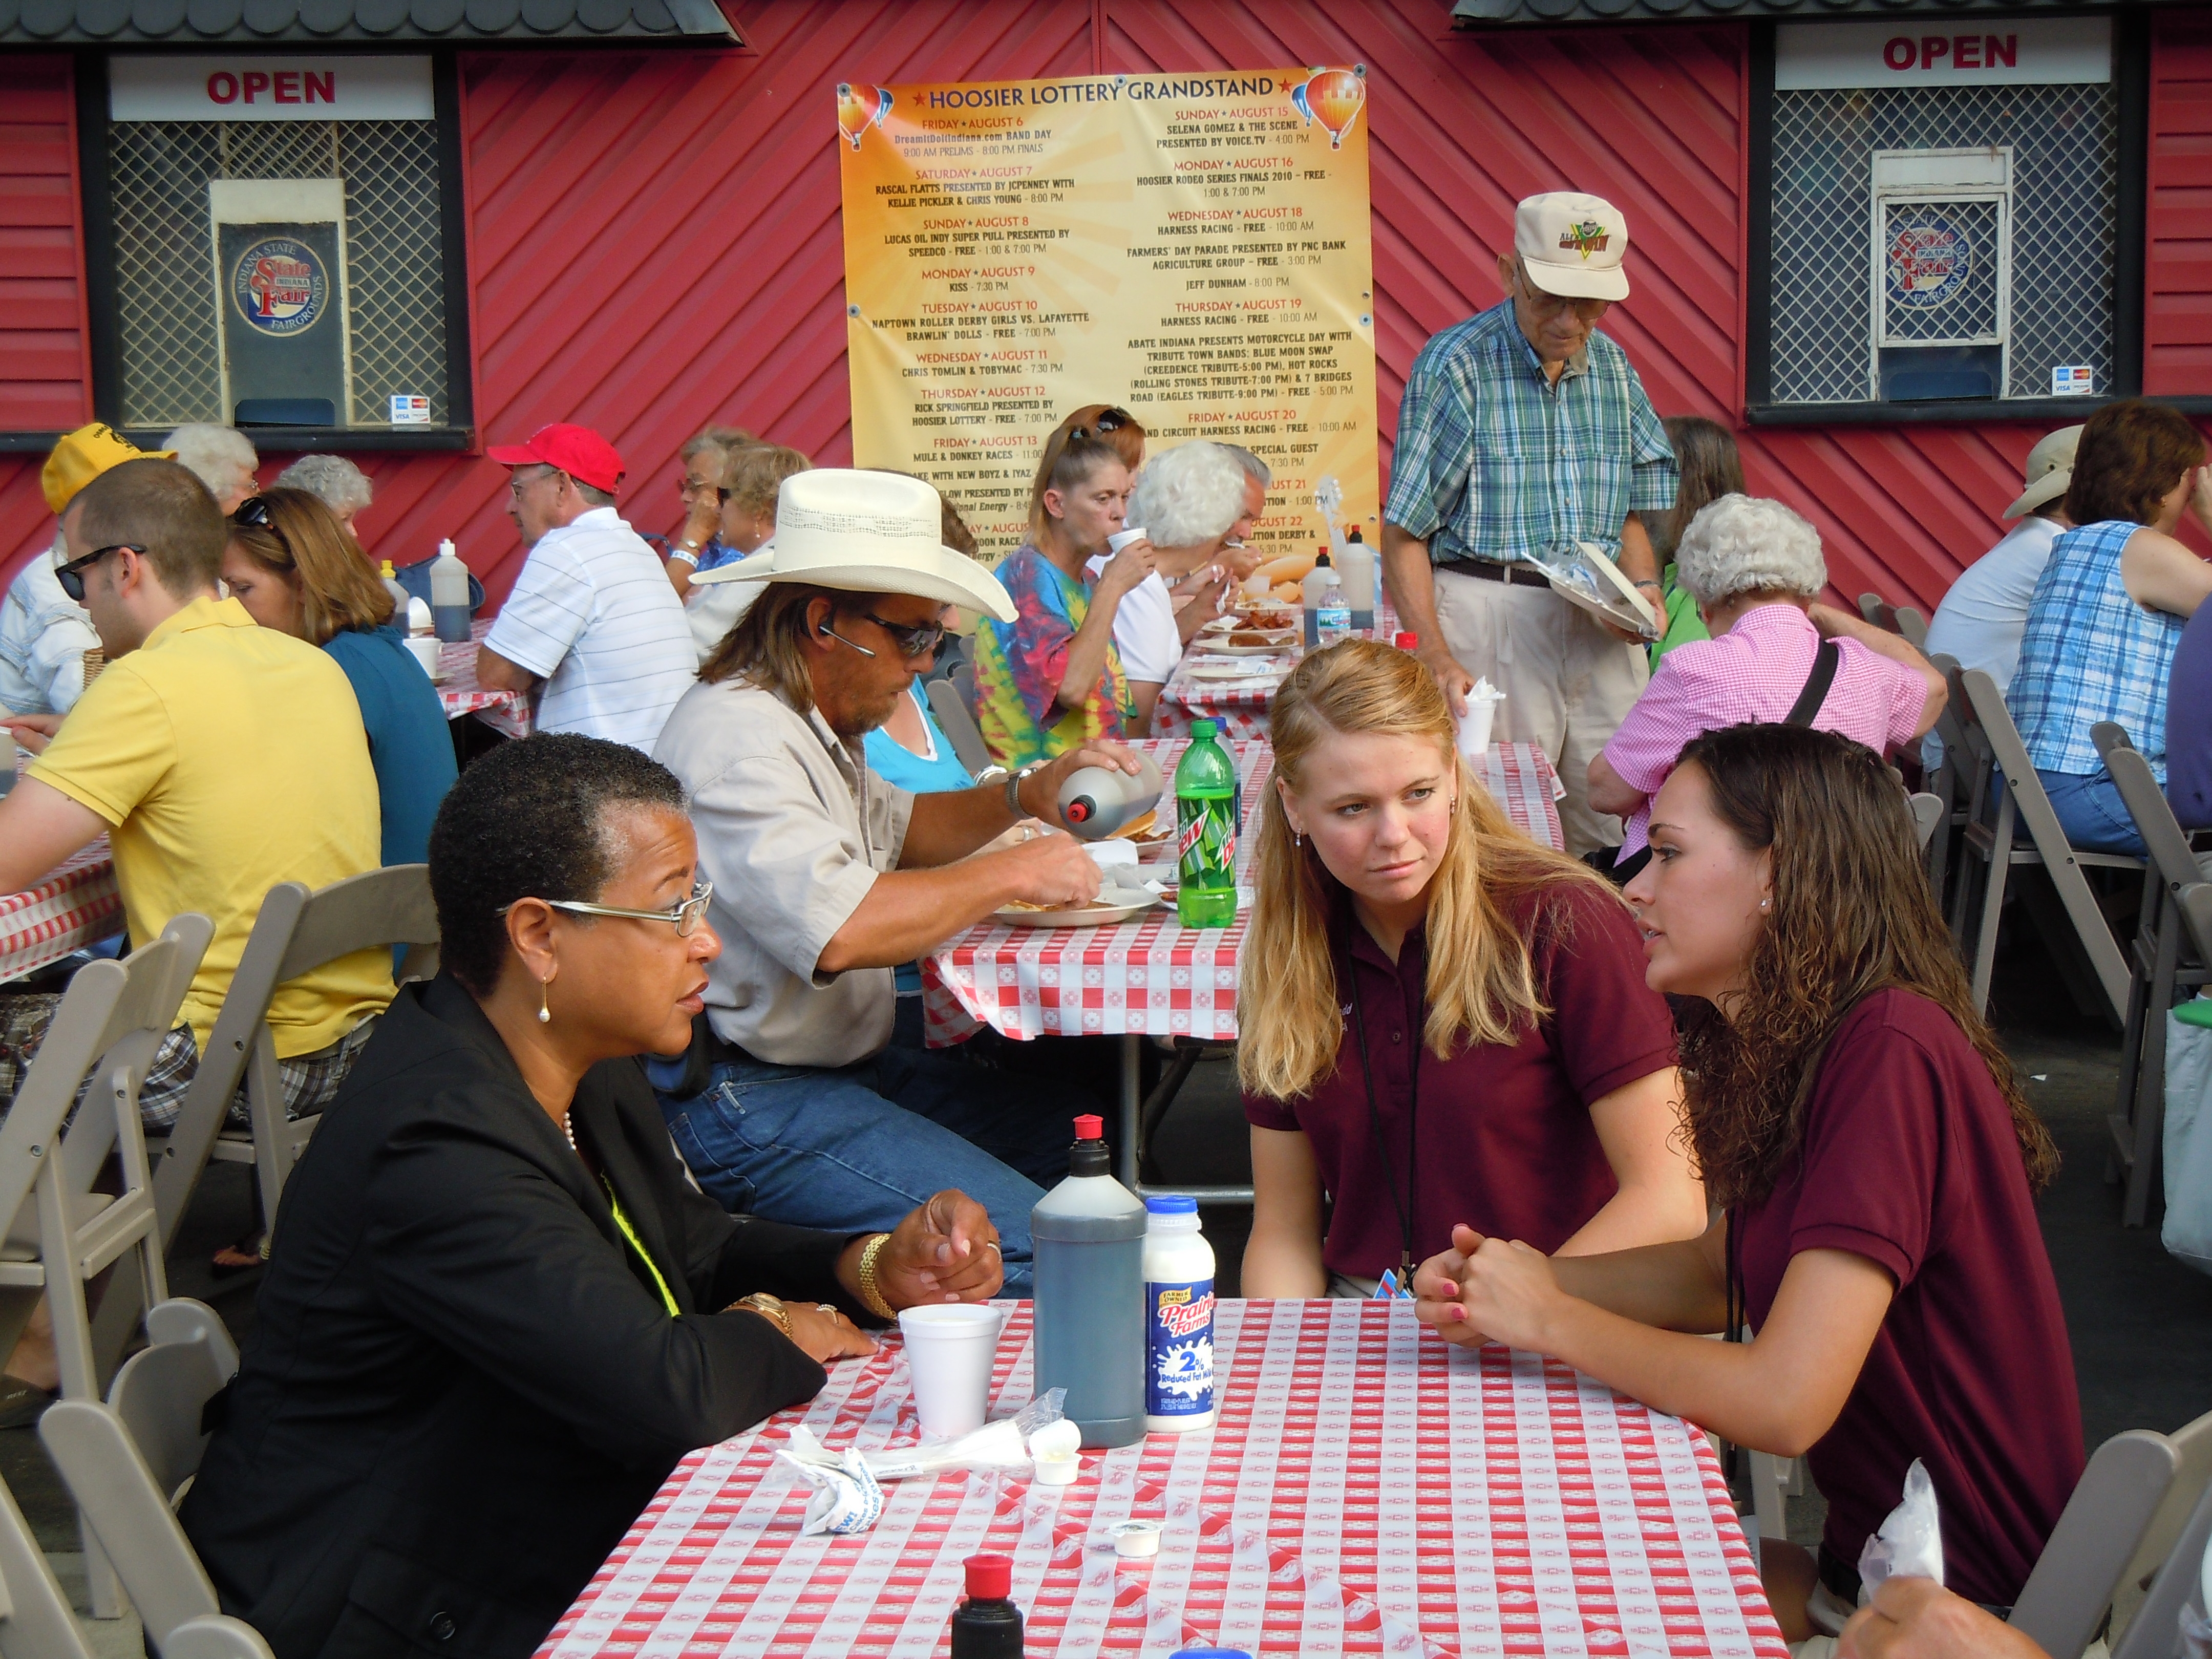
62	1233
1907	622
2162	965
2193	1443
1991	839
1870	609
295	932
963	682
1928	814
958	724
2155	1632
35	1621
1950	780
127	1461
2083	1561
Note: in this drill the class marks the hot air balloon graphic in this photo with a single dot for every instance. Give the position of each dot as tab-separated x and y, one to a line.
859	107
1334	97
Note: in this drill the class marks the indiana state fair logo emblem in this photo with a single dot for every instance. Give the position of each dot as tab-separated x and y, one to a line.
280	286
1928	262
1585	239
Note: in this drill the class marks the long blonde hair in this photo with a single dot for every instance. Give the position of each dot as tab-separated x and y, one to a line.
1481	975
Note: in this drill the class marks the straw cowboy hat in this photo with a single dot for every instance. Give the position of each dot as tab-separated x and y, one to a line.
867	533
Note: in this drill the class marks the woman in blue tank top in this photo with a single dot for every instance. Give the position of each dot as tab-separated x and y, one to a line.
2108	613
910	750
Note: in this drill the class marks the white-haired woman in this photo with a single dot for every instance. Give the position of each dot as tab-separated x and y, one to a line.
1755	570
219	457
333	480
1187	500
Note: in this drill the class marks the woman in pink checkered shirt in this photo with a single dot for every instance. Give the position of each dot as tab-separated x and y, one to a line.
1755	570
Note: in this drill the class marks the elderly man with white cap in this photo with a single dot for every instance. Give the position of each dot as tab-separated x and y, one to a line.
791	1103
1983	617
1524	431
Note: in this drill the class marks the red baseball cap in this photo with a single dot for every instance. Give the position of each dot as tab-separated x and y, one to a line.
575	450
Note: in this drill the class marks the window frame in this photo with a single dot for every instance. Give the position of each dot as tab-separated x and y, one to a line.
2132	99
458	435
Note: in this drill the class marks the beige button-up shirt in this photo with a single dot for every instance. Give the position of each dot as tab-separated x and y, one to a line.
793	830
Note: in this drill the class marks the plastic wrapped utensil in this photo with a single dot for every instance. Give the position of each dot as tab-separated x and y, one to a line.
1910	1543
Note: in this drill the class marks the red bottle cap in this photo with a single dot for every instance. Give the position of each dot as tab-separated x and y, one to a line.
1089	1127
990	1578
1407	641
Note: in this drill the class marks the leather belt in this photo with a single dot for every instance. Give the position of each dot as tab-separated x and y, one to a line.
1489	570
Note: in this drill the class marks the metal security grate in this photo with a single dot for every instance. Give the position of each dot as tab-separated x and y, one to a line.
2064	144
165	270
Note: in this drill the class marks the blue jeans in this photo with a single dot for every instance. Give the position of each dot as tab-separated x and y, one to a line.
854	1148
2091	813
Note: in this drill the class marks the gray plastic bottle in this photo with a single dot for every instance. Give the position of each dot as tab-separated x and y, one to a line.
1089	1236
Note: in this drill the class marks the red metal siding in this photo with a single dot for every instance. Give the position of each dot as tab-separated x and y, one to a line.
654	240
2177	264
45	370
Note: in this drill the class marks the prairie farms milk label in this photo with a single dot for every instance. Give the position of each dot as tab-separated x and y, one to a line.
1179	1349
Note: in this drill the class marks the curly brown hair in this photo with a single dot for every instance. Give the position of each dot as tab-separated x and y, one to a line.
1853	916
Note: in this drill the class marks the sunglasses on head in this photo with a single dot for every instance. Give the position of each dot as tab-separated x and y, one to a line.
71	575
1112	420
254	514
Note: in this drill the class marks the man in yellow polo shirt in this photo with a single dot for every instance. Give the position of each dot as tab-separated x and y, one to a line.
220	758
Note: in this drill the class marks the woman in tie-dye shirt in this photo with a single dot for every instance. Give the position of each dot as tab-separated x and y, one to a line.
1051	679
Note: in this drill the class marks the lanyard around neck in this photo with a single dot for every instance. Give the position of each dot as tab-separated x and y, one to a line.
1405	1206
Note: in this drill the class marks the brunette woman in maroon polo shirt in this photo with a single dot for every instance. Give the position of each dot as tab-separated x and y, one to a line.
1875	1163
1443	1021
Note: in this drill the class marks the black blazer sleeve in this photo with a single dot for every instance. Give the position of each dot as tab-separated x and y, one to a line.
495	1259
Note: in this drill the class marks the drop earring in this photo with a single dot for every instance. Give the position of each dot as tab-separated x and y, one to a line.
544	1010
1297	838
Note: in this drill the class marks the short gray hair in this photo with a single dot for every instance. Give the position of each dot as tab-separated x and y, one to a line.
1189	496
335	481
1748	544
1252	464
210	453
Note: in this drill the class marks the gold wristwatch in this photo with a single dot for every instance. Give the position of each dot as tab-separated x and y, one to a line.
768	1307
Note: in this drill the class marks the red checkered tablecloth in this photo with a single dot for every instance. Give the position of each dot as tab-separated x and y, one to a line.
75	906
1153	975
1368	1490
507	713
1239	710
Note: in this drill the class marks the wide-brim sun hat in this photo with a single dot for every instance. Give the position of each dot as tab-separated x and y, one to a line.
867	533
2049	473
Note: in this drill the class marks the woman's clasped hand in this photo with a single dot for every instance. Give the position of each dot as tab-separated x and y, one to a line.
1488	1290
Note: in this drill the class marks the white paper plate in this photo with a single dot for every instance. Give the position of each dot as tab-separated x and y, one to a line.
1112	904
1596	585
1217	672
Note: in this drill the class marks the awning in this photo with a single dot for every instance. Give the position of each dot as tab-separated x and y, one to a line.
1480	14
384	22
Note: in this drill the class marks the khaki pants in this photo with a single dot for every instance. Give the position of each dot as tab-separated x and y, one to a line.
1568	683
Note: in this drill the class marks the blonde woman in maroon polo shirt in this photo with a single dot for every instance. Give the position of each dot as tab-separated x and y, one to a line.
1874	1165
1444	1022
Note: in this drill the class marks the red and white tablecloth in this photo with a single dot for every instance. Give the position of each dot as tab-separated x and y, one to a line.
77	905
1153	975
1368	1490
507	713
1239	708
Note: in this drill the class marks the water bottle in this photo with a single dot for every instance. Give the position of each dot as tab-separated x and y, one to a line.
1206	792
449	595
987	1624
1309	593
1356	569
1178	1318
1095	801
390	578
1089	1237
1332	617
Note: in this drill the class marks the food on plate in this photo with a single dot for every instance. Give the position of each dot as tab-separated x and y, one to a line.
1137	827
1292	567
1260	637
1269	617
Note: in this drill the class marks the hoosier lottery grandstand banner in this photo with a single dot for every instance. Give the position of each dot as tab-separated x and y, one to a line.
1192	247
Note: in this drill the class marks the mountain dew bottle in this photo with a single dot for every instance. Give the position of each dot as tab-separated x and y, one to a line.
1207	795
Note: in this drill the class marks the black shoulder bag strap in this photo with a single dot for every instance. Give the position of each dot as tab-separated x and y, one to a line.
1815	693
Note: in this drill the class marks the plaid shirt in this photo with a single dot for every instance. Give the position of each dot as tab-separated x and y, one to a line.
1493	461
2091	653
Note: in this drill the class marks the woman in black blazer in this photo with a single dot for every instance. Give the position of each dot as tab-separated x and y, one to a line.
498	1314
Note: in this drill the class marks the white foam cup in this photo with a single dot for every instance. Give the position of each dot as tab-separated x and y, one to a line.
1121	538
1473	735
426	651
950	1347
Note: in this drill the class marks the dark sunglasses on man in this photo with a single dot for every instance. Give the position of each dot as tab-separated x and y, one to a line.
912	642
71	575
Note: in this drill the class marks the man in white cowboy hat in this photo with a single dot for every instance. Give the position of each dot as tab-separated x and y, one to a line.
1523	432
1983	617
792	1105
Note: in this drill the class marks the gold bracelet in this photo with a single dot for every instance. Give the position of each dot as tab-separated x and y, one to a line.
872	1295
768	1307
